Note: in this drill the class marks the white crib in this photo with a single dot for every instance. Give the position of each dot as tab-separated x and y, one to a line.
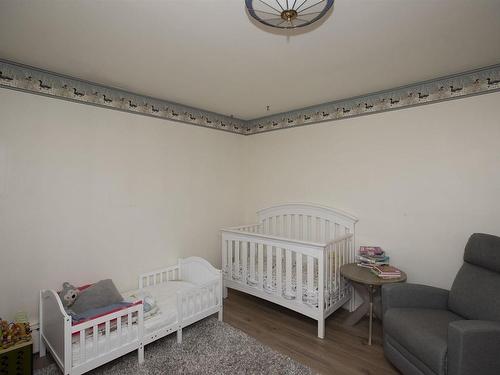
192	288
292	257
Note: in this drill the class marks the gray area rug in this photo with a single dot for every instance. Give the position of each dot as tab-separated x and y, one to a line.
208	347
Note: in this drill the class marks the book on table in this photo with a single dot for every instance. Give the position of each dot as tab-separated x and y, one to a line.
386	271
371	251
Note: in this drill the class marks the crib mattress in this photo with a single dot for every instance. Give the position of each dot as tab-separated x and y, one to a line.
166	299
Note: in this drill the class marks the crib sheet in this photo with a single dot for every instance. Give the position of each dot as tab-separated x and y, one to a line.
309	295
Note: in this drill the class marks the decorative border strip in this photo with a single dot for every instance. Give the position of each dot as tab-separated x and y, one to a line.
24	78
480	81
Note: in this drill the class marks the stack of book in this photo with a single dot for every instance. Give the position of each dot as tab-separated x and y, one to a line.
386	272
370	256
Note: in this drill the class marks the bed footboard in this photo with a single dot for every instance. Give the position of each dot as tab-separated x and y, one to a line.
55	328
82	347
193	304
199	302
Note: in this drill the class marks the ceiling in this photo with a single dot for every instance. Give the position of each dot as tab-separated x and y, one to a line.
209	54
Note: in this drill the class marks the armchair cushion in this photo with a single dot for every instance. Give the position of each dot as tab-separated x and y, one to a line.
475	293
474	347
422	332
483	250
413	295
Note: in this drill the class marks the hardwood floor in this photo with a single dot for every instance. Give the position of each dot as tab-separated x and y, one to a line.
342	351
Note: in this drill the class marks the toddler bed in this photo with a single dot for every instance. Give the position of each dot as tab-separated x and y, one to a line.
184	294
292	257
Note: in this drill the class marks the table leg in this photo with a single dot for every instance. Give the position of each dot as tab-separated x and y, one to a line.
363	309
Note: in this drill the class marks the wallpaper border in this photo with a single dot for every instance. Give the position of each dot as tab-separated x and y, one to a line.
41	82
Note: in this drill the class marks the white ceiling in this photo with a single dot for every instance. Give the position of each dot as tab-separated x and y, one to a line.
209	54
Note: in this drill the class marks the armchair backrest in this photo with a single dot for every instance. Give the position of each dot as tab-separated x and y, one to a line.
475	293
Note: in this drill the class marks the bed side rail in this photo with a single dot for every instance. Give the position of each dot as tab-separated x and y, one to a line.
110	332
55	325
159	276
198	302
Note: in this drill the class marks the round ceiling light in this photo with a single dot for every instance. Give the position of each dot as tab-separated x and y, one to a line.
288	14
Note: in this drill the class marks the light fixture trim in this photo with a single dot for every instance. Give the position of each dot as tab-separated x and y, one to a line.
287	14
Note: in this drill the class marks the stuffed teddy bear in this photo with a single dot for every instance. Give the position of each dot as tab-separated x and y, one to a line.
68	294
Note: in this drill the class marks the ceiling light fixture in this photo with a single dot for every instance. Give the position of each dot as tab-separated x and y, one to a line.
288	14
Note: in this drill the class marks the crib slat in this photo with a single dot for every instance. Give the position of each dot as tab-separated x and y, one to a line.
337	248
269	250
83	352
298	265
260	264
237	258
119	329
321	230
230	258
224	255
309	228
331	250
129	326
252	262
244	260
288	273
279	272
310	274
95	337
107	336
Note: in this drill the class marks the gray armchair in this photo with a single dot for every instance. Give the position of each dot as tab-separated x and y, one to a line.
430	330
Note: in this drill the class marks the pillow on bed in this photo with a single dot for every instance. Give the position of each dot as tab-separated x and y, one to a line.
100	294
148	302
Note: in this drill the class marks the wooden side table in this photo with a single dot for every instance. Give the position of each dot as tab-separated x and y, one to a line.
365	282
17	359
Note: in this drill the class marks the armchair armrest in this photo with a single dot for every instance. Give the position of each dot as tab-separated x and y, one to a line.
473	347
413	295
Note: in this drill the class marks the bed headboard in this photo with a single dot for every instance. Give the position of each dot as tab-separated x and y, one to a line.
306	221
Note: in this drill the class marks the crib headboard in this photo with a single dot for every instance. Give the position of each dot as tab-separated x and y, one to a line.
305	221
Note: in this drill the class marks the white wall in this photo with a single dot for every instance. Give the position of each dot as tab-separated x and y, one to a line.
89	193
420	180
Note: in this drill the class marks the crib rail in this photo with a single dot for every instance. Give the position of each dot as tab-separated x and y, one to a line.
306	274
160	276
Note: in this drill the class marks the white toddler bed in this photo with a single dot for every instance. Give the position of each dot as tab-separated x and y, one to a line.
292	257
184	293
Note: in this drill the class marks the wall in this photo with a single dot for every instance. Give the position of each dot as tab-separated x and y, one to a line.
88	193
420	180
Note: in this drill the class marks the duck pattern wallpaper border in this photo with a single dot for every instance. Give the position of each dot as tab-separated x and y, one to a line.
41	82
20	77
